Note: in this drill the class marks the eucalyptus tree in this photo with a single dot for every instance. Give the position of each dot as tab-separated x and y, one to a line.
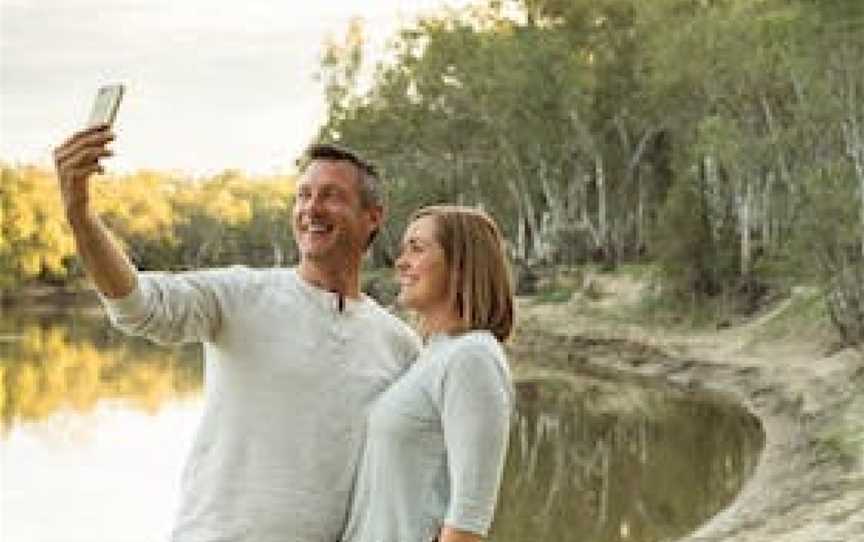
522	108
696	132
831	239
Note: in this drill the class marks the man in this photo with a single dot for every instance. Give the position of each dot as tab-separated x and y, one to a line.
293	356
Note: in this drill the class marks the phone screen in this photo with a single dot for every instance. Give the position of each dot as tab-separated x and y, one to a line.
106	104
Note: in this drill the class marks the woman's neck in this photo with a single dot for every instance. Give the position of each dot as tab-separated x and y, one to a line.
441	320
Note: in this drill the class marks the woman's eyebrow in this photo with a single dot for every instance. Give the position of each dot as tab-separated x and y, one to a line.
413	241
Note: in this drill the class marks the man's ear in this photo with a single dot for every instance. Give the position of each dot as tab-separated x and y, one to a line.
377	215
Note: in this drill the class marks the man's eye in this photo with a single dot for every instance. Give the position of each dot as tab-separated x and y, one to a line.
333	195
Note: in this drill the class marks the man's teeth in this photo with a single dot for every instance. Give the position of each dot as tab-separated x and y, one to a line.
318	228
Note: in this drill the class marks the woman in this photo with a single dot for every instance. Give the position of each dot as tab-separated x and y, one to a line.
436	440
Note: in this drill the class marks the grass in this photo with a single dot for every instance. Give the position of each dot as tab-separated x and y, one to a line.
643	302
805	313
554	294
846	435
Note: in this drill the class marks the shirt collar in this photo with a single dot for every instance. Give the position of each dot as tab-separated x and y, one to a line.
330	301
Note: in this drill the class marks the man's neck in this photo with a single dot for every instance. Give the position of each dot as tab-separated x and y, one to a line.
344	280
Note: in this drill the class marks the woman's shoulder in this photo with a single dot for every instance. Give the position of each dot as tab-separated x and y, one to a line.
477	343
476	361
475	349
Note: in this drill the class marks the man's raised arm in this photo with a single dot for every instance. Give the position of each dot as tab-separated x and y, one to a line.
76	160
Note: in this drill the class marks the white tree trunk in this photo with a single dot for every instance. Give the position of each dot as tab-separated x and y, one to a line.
855	150
521	248
745	219
600	181
712	189
640	216
278	255
766	217
522	197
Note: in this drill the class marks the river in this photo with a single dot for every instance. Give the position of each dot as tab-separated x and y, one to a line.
95	427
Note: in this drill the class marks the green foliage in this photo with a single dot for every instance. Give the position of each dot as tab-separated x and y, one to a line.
803	313
381	285
591	132
553	293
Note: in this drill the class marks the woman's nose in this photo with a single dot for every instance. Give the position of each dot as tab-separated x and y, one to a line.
401	264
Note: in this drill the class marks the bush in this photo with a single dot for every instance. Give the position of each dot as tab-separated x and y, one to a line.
845	302
381	286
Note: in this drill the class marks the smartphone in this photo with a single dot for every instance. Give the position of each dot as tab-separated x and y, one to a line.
105	107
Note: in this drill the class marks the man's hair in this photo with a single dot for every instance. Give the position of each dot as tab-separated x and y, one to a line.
481	288
371	190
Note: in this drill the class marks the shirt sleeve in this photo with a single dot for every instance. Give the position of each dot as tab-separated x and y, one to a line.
477	403
175	307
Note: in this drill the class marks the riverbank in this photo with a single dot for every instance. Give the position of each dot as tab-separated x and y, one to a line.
809	483
78	294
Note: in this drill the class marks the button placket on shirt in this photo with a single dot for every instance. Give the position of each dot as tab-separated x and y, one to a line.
339	328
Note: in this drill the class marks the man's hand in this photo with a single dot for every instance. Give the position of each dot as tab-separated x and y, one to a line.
75	161
103	258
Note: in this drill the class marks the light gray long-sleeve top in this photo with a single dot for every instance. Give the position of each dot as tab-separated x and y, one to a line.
436	442
288	379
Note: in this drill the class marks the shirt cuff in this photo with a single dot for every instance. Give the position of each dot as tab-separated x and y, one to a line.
131	303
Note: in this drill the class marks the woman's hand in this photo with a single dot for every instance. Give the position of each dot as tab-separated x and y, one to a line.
449	534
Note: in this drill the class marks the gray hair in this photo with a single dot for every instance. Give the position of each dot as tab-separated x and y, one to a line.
371	189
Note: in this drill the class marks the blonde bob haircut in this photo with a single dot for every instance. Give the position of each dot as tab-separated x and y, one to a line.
481	288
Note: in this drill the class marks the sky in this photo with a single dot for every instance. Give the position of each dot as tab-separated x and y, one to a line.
210	84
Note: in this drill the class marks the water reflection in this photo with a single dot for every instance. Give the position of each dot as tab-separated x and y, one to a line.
47	365
108	475
593	460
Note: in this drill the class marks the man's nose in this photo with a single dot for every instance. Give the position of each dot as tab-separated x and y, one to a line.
312	203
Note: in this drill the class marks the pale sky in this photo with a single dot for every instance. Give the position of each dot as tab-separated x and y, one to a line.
210	84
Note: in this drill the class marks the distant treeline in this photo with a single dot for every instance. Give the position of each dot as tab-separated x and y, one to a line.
164	222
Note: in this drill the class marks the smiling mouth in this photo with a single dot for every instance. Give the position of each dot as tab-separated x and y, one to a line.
407	281
318	229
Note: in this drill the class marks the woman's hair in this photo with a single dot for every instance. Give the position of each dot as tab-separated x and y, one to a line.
481	288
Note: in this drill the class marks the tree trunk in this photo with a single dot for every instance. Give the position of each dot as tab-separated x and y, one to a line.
855	151
600	182
640	217
745	218
522	198
767	236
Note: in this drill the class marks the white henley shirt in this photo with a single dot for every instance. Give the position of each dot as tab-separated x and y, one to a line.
290	371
